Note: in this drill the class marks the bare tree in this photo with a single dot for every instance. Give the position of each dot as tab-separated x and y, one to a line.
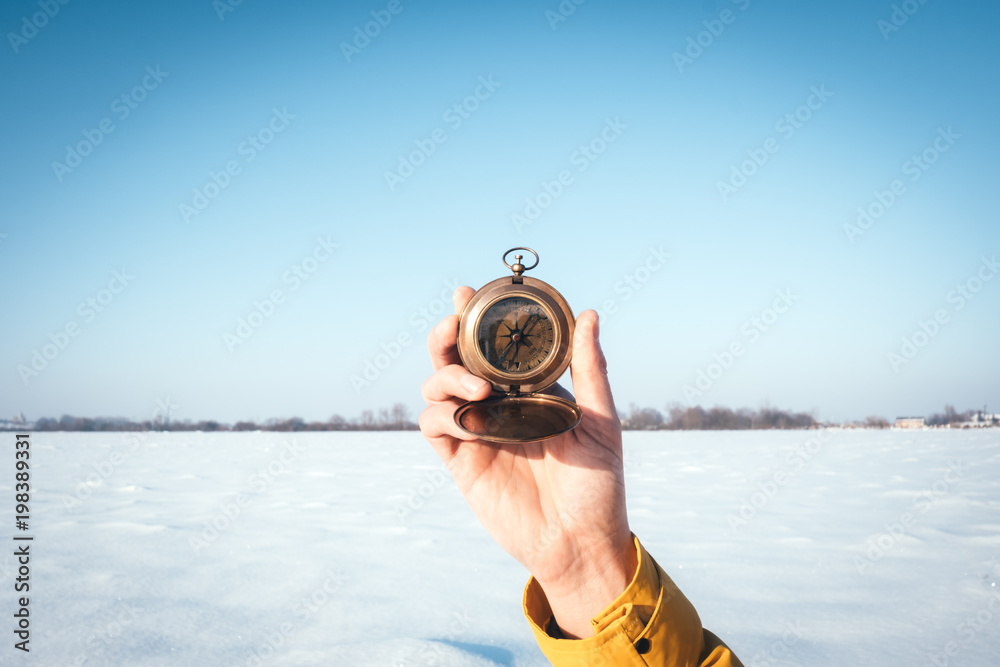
876	422
400	416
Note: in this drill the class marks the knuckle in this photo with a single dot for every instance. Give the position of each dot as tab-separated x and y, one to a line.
434	342
424	419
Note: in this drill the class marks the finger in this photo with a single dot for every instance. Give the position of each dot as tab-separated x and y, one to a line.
453	381
444	446
461	297
441	342
437	422
590	368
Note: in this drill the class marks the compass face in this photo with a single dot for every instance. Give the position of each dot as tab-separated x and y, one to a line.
515	335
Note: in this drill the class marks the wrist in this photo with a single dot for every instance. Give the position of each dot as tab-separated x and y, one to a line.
593	580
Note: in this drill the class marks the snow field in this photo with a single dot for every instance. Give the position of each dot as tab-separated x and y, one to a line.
797	548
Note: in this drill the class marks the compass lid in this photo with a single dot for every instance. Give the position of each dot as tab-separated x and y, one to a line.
518	418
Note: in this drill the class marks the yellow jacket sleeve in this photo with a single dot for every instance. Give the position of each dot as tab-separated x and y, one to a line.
650	623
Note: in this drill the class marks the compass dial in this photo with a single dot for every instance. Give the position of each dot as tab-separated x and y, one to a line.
515	335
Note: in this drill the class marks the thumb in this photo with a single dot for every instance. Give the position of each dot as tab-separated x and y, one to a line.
590	369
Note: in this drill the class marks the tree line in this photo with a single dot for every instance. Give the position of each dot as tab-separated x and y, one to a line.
396	418
678	418
718	418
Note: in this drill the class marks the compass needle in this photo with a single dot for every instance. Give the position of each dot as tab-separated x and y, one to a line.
533	320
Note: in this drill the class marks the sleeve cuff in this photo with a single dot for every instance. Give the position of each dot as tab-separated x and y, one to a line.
650	616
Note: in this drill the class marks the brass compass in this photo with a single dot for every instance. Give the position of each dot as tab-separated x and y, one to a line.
517	333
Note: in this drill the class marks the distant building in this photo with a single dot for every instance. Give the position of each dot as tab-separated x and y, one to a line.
910	422
19	422
979	419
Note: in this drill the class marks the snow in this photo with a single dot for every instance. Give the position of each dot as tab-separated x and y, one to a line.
315	558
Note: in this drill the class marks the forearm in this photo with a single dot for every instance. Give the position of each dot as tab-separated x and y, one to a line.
593	580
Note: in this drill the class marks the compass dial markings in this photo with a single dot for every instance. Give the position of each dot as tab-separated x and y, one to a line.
525	339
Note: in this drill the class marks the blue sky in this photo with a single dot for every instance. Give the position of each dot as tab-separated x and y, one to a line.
804	112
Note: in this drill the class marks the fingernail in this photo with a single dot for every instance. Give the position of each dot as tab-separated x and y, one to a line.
473	384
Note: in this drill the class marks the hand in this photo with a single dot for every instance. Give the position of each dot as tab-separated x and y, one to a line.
557	506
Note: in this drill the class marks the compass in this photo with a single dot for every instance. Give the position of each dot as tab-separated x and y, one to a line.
517	334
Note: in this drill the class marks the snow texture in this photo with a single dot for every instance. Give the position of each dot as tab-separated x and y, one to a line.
797	548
